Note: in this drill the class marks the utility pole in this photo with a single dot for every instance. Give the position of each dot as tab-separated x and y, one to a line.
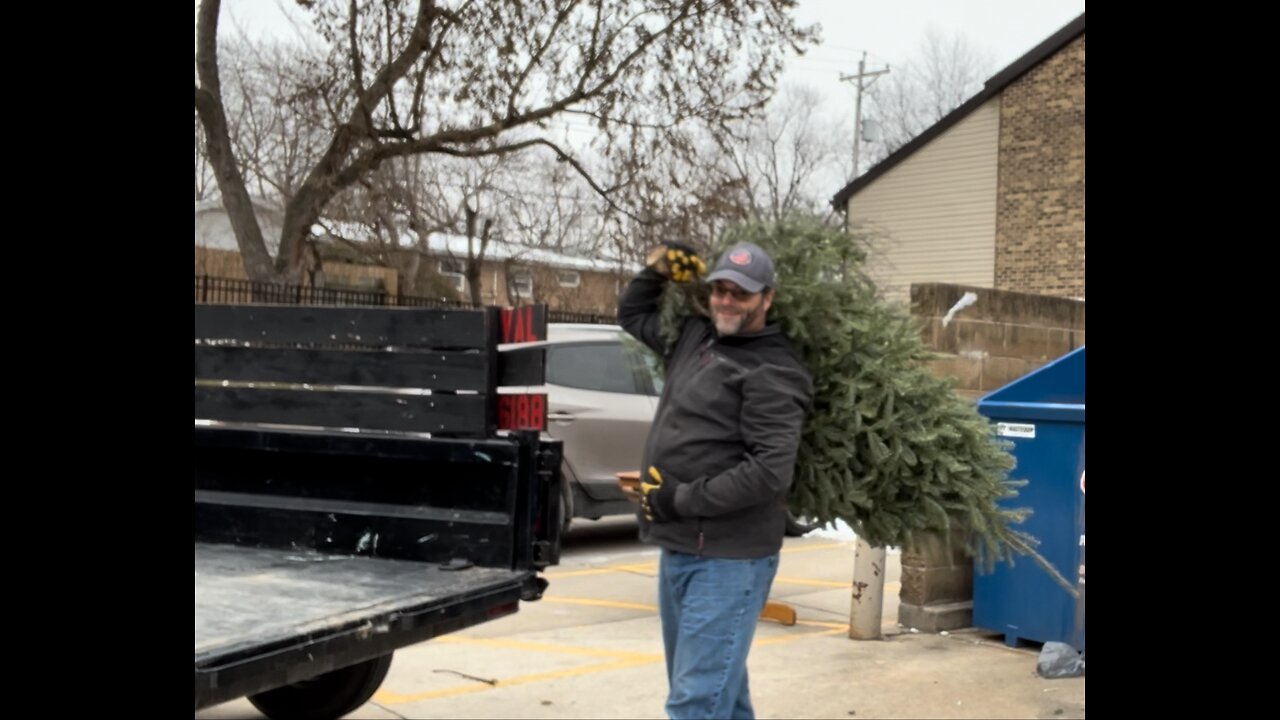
857	112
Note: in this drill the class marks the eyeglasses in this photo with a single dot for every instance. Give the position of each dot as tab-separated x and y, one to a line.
738	294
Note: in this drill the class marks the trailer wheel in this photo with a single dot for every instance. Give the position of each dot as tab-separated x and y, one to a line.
325	697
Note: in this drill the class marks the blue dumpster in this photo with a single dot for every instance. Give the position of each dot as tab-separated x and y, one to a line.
1042	413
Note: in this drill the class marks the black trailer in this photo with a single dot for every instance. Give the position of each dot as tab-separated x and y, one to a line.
360	486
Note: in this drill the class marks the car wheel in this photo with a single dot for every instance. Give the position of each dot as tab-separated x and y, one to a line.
566	502
798	528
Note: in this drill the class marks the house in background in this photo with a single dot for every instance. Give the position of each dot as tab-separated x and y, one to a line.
510	274
988	201
992	195
513	274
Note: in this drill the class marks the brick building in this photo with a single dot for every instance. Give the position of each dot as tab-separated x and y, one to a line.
992	195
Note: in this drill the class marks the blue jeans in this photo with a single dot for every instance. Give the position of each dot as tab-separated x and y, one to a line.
709	609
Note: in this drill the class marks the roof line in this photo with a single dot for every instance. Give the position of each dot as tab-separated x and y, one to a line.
990	89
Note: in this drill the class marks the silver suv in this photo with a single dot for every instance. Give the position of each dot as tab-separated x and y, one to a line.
602	392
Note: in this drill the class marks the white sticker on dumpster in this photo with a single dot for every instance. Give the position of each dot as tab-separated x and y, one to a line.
1015	430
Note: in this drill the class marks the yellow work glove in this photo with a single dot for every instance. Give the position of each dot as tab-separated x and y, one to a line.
678	262
658	500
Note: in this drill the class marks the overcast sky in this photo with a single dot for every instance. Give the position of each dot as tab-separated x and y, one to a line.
890	31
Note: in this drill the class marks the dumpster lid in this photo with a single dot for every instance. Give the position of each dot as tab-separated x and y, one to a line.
1052	392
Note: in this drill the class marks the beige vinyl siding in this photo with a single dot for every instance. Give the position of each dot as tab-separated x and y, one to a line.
934	214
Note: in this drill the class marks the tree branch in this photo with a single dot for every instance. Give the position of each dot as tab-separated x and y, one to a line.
537	56
357	66
564	156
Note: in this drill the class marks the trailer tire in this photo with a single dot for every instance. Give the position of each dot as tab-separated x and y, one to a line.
325	697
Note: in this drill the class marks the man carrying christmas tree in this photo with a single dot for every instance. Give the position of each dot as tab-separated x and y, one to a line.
716	468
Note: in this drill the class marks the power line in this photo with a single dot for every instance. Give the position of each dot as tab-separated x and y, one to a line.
857	113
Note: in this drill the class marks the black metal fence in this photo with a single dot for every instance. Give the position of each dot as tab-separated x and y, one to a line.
233	291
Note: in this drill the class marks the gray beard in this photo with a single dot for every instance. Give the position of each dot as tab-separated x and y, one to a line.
729	325
733	324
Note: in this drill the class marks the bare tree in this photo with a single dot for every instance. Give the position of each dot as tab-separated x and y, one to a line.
406	201
205	186
271	112
275	101
483	78
767	169
785	162
676	200
551	209
948	71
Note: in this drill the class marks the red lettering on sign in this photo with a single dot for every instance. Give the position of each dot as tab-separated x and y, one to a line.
504	411
538	416
522	412
520	324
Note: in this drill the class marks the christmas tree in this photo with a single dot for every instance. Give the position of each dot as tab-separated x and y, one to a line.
887	447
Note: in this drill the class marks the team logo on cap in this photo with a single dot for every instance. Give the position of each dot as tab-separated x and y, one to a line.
741	257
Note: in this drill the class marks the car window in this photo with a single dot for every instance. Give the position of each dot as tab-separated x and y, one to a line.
647	364
652	367
591	366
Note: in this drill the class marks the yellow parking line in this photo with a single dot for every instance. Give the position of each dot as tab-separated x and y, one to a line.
627	660
623	659
617	659
600	603
649	567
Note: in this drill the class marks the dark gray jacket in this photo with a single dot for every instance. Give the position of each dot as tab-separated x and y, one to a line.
727	429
